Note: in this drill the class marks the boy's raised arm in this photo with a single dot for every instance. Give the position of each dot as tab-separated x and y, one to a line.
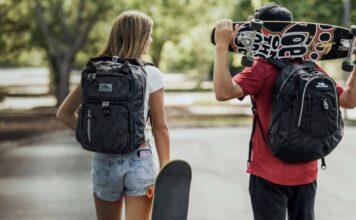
224	87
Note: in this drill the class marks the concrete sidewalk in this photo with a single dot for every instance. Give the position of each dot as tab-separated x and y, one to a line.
50	179
194	103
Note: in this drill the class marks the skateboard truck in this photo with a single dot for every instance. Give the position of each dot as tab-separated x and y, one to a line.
348	65
255	25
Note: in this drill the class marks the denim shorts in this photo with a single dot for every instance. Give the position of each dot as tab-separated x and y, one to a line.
114	175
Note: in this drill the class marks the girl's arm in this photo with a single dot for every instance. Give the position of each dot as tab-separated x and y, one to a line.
159	126
66	112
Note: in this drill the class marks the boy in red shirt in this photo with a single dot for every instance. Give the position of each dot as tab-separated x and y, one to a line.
275	186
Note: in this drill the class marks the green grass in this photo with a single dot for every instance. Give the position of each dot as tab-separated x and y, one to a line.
350	122
211	101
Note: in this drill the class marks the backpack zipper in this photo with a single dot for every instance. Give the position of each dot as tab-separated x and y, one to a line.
302	107
325	103
88	129
100	101
92	76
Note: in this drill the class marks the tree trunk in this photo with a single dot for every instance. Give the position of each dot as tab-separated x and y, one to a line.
61	70
156	53
61	50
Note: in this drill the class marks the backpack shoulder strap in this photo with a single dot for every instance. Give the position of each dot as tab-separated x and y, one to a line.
149	115
280	63
145	63
309	64
256	122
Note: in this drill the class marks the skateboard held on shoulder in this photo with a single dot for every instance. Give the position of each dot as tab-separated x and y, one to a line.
294	40
171	194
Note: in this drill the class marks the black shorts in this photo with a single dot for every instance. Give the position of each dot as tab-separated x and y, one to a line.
272	201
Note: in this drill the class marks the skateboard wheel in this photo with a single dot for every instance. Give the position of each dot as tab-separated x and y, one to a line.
256	24
347	67
247	61
353	30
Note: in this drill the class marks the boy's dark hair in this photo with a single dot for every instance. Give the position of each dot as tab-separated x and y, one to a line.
273	12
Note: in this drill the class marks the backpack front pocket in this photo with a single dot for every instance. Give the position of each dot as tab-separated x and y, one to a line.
319	112
320	116
106	126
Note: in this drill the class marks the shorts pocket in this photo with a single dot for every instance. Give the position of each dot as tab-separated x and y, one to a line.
143	167
142	154
142	174
101	172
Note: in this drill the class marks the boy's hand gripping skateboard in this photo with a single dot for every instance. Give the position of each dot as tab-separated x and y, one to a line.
171	193
302	40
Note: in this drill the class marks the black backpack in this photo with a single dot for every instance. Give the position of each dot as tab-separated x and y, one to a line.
306	121
111	116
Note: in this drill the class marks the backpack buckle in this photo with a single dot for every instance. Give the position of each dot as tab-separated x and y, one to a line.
115	59
91	76
106	107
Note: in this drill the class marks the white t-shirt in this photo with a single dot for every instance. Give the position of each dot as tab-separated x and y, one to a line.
154	82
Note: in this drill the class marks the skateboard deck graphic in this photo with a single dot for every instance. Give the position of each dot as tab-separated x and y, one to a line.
172	187
306	41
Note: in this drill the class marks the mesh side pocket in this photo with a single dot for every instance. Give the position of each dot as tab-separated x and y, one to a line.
79	126
139	127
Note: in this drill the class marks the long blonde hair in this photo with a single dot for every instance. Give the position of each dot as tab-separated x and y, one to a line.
129	35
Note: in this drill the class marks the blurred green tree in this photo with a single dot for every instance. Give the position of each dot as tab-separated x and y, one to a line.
62	30
320	11
14	26
181	29
172	19
58	27
190	51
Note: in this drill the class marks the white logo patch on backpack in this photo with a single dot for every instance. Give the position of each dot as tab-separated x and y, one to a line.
321	85
105	87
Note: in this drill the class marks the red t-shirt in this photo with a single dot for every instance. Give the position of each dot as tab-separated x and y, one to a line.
258	81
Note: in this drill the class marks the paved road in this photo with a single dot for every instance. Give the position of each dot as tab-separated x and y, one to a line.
51	179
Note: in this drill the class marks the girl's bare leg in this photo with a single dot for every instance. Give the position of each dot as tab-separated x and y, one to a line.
138	207
106	210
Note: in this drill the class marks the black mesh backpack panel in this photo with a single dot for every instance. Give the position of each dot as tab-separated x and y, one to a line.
306	121
111	117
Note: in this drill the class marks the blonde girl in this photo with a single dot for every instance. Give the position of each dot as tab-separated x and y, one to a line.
119	179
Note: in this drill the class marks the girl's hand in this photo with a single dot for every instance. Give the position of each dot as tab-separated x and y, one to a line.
224	32
163	163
